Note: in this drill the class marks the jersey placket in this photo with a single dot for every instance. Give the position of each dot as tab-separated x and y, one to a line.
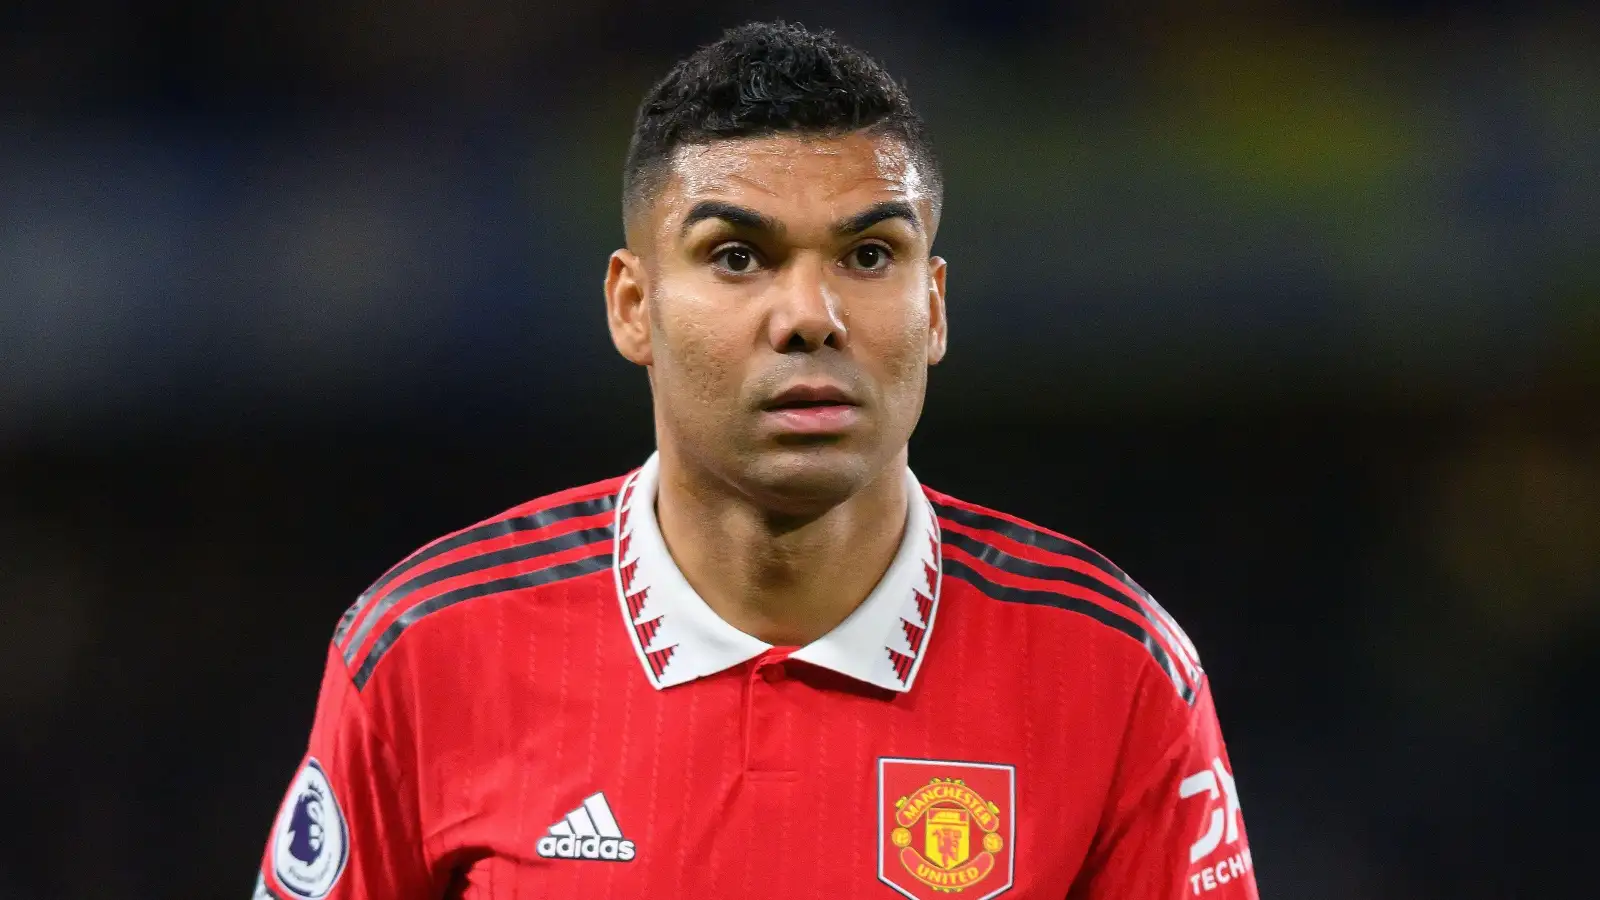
768	712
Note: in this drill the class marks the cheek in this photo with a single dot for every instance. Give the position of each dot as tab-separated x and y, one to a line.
695	359
899	340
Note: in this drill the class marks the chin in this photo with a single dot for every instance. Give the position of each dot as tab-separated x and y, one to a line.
804	481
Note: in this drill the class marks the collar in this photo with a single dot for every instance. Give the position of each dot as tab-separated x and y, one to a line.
679	638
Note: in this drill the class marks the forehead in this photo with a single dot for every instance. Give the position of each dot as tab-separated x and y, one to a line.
794	176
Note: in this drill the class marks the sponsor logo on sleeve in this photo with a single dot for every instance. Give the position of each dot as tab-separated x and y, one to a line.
1215	786
310	843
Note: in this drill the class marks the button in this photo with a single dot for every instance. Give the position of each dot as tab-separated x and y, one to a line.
774	673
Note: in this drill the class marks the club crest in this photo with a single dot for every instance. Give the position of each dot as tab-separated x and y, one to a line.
946	828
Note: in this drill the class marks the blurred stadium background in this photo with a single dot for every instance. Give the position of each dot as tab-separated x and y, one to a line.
1292	309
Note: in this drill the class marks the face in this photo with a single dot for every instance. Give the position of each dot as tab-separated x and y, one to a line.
782	294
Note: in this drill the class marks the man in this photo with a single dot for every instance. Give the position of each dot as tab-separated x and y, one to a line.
768	663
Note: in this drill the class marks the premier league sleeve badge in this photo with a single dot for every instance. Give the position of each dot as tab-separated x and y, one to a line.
310	842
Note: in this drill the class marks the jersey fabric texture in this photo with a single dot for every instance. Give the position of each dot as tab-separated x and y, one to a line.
540	706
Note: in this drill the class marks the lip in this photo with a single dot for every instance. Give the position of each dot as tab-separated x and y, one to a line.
813	420
812	394
812	409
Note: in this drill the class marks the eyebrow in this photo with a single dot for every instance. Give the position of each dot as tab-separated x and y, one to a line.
738	216
878	212
749	219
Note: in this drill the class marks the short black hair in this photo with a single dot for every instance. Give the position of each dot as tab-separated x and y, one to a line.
768	78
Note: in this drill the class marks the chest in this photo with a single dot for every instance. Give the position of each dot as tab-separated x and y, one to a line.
772	780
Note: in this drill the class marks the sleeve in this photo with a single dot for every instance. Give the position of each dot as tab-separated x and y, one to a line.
1176	831
348	828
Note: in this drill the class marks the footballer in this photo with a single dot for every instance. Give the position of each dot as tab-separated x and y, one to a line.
768	662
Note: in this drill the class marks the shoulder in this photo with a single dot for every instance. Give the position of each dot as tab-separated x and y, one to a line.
542	542
1011	560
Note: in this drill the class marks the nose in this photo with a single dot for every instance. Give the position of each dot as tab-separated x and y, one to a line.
807	313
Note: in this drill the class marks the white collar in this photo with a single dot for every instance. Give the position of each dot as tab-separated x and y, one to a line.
679	638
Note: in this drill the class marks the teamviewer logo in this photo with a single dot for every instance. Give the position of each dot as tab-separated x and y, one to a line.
588	832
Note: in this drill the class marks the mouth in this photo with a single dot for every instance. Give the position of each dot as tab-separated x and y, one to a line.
812	410
810	397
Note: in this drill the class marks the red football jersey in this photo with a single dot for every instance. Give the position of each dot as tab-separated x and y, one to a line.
541	706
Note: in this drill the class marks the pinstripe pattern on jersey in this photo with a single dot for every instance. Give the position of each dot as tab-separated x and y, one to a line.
384	593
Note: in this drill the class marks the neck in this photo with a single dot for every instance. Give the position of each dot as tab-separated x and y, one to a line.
784	580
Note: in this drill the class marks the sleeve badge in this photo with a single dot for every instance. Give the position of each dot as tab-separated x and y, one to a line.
310	842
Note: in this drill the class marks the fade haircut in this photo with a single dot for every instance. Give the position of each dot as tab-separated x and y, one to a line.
762	79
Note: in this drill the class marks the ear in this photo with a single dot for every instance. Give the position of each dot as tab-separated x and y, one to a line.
627	312
938	325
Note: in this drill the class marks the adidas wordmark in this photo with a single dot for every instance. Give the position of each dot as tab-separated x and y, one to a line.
588	832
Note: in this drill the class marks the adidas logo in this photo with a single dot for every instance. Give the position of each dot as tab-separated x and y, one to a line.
588	832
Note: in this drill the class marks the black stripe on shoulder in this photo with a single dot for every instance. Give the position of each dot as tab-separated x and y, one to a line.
520	553
1039	539
530	522
1027	568
957	569
432	605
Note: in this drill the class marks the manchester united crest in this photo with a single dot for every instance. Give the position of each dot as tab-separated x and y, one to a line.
946	828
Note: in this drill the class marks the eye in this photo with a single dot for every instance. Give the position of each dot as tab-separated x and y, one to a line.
869	258
735	258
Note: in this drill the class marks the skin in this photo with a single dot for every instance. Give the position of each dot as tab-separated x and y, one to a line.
783	535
